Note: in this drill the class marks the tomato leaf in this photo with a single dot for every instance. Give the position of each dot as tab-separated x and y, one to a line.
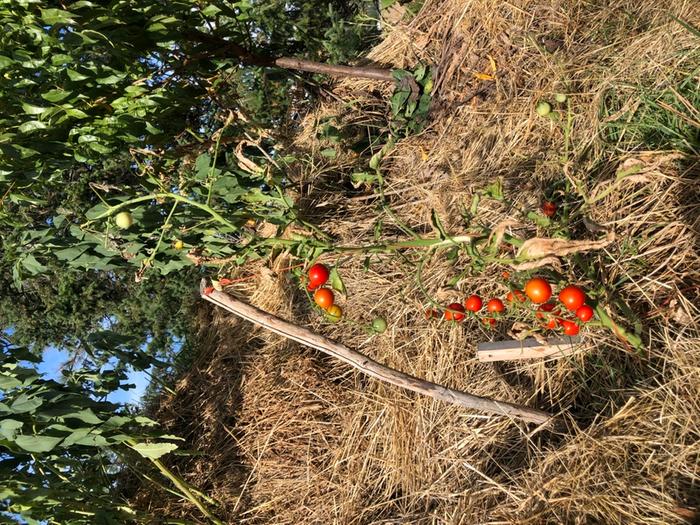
336	281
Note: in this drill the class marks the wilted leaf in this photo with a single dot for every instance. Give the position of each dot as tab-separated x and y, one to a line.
537	247
483	76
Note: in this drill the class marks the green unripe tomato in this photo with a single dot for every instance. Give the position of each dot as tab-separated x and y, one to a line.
124	220
379	325
543	109
560	97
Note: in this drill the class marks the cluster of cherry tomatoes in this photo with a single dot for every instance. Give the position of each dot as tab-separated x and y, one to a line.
323	297
539	292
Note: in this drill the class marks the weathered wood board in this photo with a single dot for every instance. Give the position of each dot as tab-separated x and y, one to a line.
526	349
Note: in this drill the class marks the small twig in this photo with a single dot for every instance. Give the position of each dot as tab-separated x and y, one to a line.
367	365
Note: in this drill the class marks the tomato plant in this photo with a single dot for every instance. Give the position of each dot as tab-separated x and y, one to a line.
572	297
489	321
547	313
318	275
324	298
473	303
495	306
455	312
538	290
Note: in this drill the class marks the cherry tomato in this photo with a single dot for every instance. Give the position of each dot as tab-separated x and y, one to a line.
208	290
379	325
538	290
324	298
457	314
335	312
572	297
318	275
549	209
516	294
585	313
505	275
495	305
473	303
489	321
431	314
570	328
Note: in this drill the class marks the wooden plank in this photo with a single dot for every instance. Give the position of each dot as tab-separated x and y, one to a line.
527	349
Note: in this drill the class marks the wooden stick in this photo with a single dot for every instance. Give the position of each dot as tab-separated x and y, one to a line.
367	365
529	348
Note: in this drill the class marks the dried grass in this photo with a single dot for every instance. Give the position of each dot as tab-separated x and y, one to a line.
290	436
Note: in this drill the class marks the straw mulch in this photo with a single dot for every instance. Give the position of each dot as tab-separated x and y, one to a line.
290	436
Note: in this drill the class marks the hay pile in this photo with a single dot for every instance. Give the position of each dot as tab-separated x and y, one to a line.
290	436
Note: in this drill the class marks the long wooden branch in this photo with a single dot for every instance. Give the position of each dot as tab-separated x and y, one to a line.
367	365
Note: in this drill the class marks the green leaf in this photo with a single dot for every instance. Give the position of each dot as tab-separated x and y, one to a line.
32	125
201	167
437	223
153	450
96	211
57	16
336	281
331	153
31	109
24	404
37	443
5	62
32	265
75	76
56	95
9	428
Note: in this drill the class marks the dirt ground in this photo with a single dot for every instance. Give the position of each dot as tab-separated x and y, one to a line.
291	436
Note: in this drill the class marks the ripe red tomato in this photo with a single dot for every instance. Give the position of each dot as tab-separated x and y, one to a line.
489	321
549	208
457	314
516	294
585	313
324	298
473	303
495	305
538	290
572	297
318	275
570	328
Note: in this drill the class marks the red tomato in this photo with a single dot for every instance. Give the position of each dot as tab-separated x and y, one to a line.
505	275
473	303
324	298
457	314
495	305
549	209
318	275
489	321
585	313
572	297
570	328
538	290
516	294
208	290
225	281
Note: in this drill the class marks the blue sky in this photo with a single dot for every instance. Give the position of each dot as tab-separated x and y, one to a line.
54	358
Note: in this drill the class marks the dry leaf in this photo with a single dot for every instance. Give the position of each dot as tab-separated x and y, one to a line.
423	154
483	76
538	247
499	231
244	162
552	261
